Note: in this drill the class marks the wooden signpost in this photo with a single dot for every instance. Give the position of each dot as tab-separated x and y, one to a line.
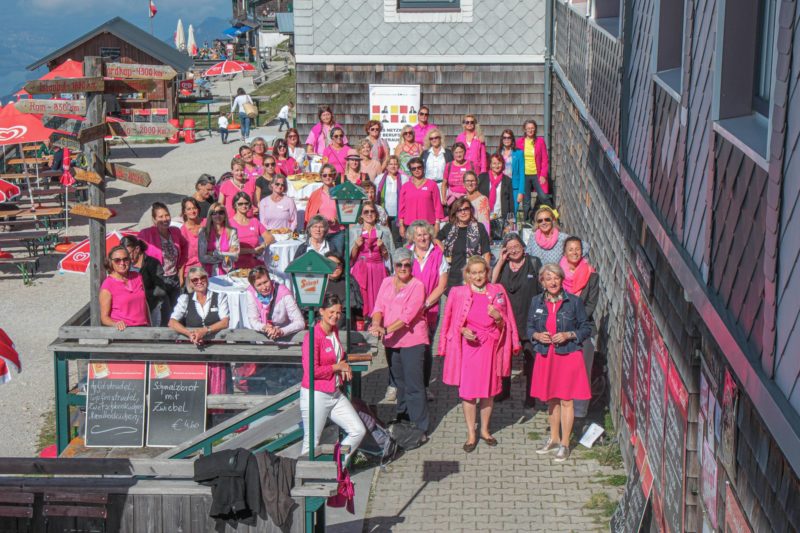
128	174
65	141
65	85
52	107
87	176
92	133
147	72
91	211
130	86
130	129
67	125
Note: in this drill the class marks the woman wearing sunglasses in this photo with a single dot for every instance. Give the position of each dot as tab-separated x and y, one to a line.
369	166
264	182
123	302
424	125
296	150
237	183
461	238
407	148
473	140
372	246
218	243
380	148
253	236
436	156
399	321
336	152
513	166
286	164
548	241
277	211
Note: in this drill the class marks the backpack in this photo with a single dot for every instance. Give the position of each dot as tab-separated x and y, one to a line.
407	435
378	442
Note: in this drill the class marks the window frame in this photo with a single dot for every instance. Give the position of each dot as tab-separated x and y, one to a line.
428	6
663	66
764	57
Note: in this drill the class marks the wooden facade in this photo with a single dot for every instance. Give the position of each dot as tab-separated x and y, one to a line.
648	172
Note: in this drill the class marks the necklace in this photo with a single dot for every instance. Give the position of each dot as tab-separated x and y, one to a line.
479	290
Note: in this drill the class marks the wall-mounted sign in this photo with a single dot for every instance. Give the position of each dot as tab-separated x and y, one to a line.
395	106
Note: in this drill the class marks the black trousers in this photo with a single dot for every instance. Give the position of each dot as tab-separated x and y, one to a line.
407	371
527	371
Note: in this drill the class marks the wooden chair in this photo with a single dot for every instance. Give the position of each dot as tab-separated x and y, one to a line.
87	509
16	509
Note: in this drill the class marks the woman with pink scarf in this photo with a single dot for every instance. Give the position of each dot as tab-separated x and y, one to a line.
472	137
548	241
581	280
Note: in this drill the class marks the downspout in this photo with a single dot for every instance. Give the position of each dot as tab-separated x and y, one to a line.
548	69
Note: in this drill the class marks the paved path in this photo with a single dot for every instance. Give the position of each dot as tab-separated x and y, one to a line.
440	488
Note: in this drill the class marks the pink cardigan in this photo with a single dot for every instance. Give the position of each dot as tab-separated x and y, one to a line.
539	153
476	152
455	316
324	359
153	239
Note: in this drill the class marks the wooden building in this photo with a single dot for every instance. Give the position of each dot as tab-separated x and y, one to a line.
675	153
120	41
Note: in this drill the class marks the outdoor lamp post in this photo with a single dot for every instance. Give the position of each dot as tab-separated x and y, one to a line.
349	201
310	279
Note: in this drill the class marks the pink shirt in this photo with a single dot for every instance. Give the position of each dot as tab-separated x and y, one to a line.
249	234
282	214
229	189
406	305
288	166
319	137
421	131
192	258
325	356
336	157
420	203
476	152
128	301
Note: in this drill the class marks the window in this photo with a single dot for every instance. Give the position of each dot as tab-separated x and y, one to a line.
110	53
764	51
433	5
606	15
669	50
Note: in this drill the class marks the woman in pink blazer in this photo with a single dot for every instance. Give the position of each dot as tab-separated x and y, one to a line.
478	337
473	140
165	244
536	166
331	371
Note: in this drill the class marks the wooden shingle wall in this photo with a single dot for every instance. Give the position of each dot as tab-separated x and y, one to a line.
501	96
667	172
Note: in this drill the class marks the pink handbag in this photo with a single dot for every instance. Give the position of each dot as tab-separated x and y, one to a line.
344	498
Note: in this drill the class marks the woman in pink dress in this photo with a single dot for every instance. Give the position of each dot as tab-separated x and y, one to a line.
472	137
192	225
253	236
238	183
372	245
477	339
453	177
336	152
123	302
321	134
558	327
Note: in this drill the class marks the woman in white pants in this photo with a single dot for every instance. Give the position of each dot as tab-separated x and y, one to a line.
331	371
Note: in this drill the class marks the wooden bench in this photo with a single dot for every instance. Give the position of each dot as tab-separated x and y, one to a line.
31	240
16	504
70	505
27	266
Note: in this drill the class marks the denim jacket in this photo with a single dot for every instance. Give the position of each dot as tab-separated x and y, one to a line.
571	317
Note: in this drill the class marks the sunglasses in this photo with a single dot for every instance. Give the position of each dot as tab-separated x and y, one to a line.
118	260
293	137
217	213
281	147
404	264
269	164
337	263
279	183
507	137
469	122
243	204
540	220
337	136
464	210
368	212
375	128
423	113
415	168
408	133
436	138
198	280
328	175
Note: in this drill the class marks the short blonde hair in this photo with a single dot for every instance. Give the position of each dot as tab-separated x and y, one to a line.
546	209
432	132
552	268
474	260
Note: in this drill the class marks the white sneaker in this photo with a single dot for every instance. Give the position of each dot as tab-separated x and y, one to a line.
561	455
391	394
429	395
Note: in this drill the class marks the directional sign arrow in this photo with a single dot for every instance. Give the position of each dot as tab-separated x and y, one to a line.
52	107
65	85
92	133
130	129
67	125
131	175
65	141
91	211
142	72
87	176
130	86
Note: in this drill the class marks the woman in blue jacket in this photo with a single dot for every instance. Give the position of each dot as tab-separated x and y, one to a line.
558	326
514	166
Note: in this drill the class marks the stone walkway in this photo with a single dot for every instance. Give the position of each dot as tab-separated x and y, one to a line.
440	488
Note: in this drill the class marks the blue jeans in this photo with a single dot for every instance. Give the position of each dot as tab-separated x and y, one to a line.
245	121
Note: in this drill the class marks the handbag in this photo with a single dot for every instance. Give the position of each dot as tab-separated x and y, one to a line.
250	109
346	493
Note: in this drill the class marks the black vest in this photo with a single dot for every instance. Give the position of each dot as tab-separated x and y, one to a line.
193	318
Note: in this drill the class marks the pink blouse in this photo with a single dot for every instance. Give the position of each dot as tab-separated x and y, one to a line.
128	301
249	235
407	305
192	255
229	189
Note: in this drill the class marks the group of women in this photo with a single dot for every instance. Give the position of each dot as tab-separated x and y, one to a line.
425	233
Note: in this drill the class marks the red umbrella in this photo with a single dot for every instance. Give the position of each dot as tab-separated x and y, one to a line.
77	258
229	66
8	191
67	69
8	357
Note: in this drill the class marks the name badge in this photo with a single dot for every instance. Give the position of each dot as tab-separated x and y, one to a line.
425	188
212	310
328	349
530	276
500	300
539	311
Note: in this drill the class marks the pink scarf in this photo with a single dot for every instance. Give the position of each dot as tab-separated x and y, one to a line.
546	242
211	245
494	181
575	280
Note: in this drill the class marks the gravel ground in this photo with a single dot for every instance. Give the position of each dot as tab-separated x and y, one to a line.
31	315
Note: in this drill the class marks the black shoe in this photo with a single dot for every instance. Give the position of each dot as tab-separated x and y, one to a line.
503	396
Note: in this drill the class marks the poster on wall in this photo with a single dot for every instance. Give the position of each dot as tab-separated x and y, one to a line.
644	328
659	362
628	353
675	450
727	442
394	106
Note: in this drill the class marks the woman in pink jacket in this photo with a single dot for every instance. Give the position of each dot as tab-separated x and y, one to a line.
536	165
472	137
320	136
331	371
478	337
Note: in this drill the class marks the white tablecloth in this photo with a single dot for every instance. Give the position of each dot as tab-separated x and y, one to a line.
235	289
280	255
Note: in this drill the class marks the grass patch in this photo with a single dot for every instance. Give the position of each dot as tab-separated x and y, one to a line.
606	455
614	480
599	501
280	92
47	432
534	435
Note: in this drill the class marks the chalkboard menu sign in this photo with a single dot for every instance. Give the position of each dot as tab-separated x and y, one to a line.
644	327
115	404
629	348
627	517
176	403
674	450
659	361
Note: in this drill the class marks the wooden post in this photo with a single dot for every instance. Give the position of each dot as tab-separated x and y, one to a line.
95	155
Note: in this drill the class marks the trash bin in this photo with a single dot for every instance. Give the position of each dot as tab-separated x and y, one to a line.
188	131
175	139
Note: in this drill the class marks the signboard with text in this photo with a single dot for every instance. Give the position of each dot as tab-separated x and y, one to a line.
394	106
115	402
176	403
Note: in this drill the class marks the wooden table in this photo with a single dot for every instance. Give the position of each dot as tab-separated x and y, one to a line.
28	161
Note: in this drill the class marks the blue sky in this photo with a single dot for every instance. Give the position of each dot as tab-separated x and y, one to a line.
31	29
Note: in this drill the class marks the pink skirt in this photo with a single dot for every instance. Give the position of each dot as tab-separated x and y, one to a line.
562	377
369	273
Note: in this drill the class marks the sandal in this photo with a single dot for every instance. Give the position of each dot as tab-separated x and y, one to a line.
469	447
491	441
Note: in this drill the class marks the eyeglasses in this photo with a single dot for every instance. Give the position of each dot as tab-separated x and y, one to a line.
217	213
242	204
464	210
469	122
540	220
337	263
281	147
328	175
423	113
375	128
279	183
293	137
337	136
199	280
417	167
404	264
118	260
368	212
269	164
435	138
